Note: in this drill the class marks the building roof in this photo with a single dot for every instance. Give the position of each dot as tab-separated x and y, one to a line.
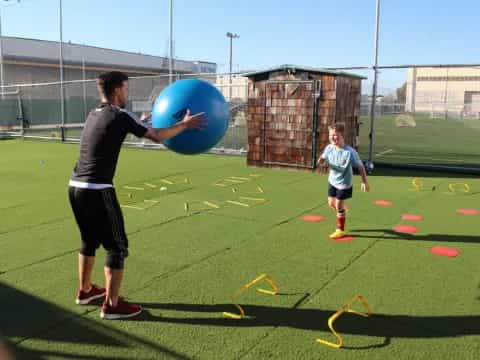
295	68
33	50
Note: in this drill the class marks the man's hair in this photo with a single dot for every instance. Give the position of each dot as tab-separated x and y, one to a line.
108	82
337	127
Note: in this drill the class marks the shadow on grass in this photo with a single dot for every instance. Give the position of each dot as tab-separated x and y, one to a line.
33	318
393	235
378	325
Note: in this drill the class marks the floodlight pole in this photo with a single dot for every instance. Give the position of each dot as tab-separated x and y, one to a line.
231	36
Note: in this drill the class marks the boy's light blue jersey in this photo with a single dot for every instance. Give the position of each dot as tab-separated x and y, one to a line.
341	161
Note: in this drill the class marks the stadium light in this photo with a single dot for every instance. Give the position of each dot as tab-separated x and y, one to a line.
231	36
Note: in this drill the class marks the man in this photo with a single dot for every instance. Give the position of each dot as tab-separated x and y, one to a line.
92	195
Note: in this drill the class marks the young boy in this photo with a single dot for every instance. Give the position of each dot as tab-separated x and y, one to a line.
340	158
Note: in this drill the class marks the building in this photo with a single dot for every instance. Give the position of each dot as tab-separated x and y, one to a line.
31	93
238	90
447	90
28	61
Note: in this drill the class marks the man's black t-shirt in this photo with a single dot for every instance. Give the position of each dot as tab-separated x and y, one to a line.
103	134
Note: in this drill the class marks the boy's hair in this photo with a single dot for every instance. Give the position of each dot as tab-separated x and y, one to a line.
108	82
337	127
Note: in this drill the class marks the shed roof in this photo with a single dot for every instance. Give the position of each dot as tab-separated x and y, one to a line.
295	68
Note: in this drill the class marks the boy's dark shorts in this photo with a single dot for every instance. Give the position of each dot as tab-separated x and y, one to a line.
340	194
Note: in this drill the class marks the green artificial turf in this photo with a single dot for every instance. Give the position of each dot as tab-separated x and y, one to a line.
184	265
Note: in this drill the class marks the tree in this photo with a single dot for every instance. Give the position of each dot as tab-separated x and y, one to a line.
402	93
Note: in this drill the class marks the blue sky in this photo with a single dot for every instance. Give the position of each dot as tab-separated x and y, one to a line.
307	32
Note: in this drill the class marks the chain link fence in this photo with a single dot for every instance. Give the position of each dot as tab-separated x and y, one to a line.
424	116
34	110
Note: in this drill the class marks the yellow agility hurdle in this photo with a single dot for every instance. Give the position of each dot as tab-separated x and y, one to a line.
458	187
244	288
344	309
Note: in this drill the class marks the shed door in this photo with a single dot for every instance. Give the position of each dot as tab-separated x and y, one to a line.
290	124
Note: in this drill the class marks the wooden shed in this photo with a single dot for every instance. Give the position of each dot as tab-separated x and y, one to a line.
289	110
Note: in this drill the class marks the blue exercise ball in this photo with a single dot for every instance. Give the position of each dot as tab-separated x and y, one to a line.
199	96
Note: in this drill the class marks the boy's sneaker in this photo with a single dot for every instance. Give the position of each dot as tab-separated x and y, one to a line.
84	298
123	310
338	234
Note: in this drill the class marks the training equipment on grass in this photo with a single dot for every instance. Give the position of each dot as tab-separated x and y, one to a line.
197	206
197	96
406	229
247	202
419	185
313	218
146	204
231	180
458	188
411	217
469	212
383	203
345	309
244	288
444	251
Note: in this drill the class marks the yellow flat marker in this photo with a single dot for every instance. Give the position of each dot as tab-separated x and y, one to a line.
344	309
239	178
152	201
238	203
134	188
236	295
234	181
132	207
151	185
166	181
255	175
252	199
220	184
212	205
189	206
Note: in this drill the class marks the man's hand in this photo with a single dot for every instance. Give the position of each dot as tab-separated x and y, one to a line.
195	121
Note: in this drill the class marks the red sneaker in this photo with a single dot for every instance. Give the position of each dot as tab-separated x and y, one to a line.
123	310
84	298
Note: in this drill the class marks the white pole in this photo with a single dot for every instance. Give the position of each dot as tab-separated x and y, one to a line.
62	94
84	88
1	54
170	65
375	78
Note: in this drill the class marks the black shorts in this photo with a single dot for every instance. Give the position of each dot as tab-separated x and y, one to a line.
340	194
100	220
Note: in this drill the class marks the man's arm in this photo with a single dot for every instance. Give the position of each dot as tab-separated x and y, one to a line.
189	122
